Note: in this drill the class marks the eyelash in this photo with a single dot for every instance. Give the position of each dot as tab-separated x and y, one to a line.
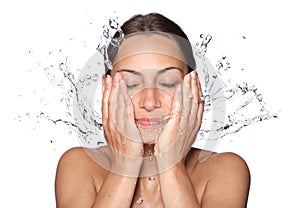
168	85
131	86
171	85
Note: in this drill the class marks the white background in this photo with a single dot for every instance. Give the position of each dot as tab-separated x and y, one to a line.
269	55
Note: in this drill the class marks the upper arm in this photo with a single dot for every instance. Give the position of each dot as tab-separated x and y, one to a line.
229	183
74	185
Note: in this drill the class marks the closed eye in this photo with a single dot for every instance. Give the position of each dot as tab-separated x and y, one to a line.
131	86
168	85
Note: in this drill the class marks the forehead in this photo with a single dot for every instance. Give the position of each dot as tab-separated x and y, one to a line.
144	61
147	42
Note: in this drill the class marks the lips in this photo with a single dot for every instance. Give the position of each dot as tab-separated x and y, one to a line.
149	122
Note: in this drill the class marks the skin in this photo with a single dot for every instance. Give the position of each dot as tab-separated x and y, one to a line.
221	180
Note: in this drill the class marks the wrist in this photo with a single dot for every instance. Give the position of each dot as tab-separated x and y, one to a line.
125	165
171	157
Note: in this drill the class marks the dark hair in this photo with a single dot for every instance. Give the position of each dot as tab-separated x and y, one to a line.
155	22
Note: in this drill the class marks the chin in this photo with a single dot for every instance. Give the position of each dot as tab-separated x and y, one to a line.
149	135
151	142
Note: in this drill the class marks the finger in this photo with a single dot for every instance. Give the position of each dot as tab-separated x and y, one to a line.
186	101
197	107
196	96
201	98
112	102
113	94
119	104
194	85
103	83
171	128
106	88
177	103
201	103
129	121
187	81
199	88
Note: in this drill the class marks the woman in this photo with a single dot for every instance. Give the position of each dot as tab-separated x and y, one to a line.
151	112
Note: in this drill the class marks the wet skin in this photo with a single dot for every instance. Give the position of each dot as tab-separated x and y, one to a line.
200	179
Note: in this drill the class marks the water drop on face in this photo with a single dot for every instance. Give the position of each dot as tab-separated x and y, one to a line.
151	178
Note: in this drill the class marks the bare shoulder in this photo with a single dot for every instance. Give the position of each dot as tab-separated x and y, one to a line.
76	164
75	159
215	163
80	157
74	154
224	178
227	161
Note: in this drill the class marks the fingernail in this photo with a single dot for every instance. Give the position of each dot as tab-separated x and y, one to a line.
187	78
117	77
103	79
194	75
108	79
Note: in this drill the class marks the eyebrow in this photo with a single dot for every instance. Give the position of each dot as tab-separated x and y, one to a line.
159	72
169	68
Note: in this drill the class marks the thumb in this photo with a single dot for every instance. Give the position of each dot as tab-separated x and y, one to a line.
175	115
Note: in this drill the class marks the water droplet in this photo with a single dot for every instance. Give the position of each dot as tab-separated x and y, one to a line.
140	200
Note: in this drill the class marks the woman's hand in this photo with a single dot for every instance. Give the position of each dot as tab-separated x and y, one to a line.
120	130
185	120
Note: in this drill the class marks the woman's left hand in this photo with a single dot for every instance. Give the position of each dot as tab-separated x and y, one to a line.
185	120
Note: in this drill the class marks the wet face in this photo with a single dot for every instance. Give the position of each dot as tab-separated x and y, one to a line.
152	67
151	80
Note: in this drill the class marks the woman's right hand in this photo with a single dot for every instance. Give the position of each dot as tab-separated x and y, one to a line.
119	126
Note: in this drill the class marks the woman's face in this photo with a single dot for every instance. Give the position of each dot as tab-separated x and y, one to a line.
151	79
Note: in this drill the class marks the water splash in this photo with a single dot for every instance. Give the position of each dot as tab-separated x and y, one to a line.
244	102
113	27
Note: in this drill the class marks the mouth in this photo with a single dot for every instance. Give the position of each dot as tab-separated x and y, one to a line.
150	122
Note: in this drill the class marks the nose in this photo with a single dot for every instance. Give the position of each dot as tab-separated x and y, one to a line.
149	99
